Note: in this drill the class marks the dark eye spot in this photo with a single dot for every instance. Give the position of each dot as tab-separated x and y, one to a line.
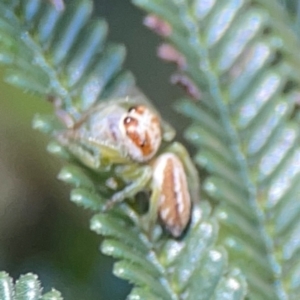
129	121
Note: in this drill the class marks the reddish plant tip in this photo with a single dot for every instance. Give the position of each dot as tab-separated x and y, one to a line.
158	25
168	53
58	4
187	84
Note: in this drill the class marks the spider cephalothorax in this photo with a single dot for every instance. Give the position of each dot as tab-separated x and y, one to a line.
132	137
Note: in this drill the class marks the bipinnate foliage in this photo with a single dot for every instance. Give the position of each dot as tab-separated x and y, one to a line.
243	58
61	54
159	266
64	56
27	287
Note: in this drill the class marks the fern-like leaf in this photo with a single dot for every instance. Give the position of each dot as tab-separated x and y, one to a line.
159	267
27	287
63	55
172	269
244	58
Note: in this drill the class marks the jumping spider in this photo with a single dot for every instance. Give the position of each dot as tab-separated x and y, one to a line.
132	137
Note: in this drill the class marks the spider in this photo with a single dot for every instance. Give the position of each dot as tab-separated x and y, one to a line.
131	136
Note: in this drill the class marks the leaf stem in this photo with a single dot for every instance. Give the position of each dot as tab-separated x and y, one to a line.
234	141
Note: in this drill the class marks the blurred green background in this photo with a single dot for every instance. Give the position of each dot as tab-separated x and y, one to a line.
41	231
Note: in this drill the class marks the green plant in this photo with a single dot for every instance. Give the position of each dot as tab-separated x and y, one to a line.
240	61
26	287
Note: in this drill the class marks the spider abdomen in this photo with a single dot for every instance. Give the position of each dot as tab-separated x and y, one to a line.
174	203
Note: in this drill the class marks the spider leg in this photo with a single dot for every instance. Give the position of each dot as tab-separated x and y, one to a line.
138	179
91	160
153	205
191	171
168	131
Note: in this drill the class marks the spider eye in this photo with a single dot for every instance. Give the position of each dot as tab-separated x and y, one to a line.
130	121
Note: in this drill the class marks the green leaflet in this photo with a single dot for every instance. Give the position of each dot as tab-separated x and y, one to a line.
244	58
27	287
159	267
61	54
65	55
192	268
